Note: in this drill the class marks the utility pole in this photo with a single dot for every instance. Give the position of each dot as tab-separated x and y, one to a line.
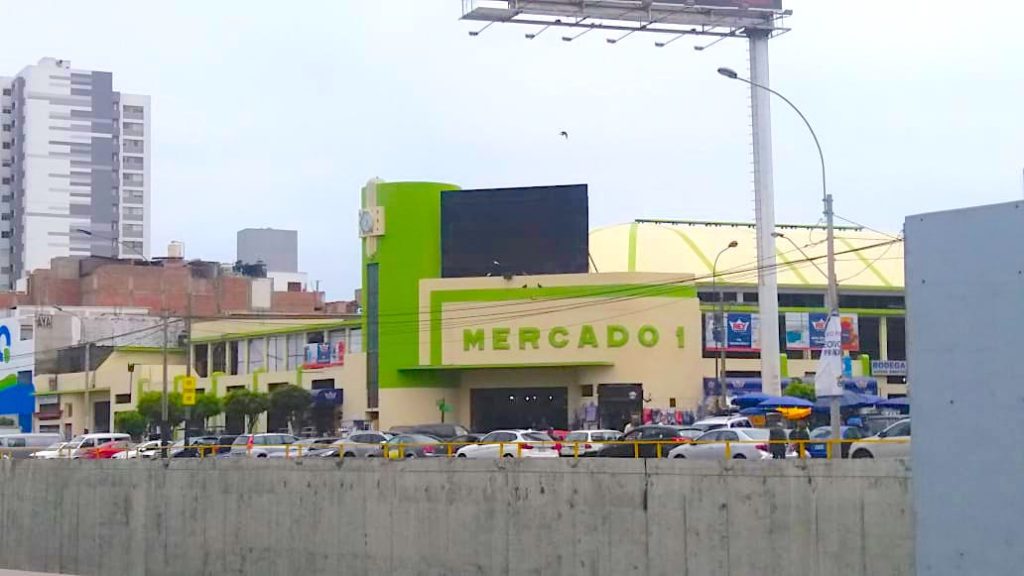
90	413
835	418
188	350
165	435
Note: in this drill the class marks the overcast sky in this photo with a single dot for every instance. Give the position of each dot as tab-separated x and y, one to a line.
269	113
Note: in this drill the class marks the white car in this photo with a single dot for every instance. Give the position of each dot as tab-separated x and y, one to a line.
144	450
586	442
79	446
51	452
893	442
716	422
511	444
744	444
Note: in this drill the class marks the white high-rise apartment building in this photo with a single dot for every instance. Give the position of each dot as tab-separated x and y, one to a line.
74	169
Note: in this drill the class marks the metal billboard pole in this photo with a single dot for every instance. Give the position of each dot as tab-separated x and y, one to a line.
764	217
757	20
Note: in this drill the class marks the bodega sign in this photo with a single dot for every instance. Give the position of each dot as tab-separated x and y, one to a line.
558	337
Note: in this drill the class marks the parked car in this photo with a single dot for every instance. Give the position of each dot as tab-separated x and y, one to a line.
106	451
443	431
820	450
363	444
586	442
895	443
21	445
303	447
511	444
452	445
711	445
55	450
145	450
260	445
413	446
79	445
195	443
716	422
649	437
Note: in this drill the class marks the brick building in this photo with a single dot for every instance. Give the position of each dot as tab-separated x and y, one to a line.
164	285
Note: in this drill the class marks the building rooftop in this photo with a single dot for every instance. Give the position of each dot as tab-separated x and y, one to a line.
865	259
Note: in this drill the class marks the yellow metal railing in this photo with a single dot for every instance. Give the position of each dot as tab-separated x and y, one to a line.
660	448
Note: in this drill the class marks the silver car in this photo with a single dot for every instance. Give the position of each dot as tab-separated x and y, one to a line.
358	445
743	444
261	445
586	442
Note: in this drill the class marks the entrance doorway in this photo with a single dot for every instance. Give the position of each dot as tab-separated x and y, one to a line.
101	416
504	408
619	403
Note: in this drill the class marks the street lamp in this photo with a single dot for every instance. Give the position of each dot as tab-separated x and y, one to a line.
832	301
720	323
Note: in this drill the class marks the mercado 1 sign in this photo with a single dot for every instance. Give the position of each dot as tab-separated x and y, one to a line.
558	337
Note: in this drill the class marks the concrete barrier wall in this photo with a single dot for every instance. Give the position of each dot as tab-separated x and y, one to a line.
445	517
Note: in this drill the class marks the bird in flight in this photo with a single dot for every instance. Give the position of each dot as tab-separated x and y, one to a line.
564	134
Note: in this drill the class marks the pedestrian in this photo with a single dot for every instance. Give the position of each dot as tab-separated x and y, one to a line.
777	441
799	436
627	427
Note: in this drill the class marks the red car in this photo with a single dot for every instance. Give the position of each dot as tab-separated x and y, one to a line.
106	451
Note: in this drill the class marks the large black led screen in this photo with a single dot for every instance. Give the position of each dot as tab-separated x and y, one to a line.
514	231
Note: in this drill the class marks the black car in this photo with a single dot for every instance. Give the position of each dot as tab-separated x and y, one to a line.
649	437
443	431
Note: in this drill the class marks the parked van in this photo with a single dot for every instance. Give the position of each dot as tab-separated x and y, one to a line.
20	445
80	445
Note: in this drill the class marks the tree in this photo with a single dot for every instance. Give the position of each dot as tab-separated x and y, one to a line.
149	405
207	406
293	403
800	389
132	423
246	404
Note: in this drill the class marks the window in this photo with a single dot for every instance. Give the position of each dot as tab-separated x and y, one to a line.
296	350
5	163
133	163
728	435
5	110
336	336
134	146
200	357
7	92
277	354
5	180
132	213
132	247
587	391
314	337
133	112
7	146
5	234
236	357
897	338
132	230
132	129
869	326
7	127
218	351
5	216
256	348
123	398
133	196
355	341
133	179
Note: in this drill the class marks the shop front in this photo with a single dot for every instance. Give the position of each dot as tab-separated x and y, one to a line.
555	351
